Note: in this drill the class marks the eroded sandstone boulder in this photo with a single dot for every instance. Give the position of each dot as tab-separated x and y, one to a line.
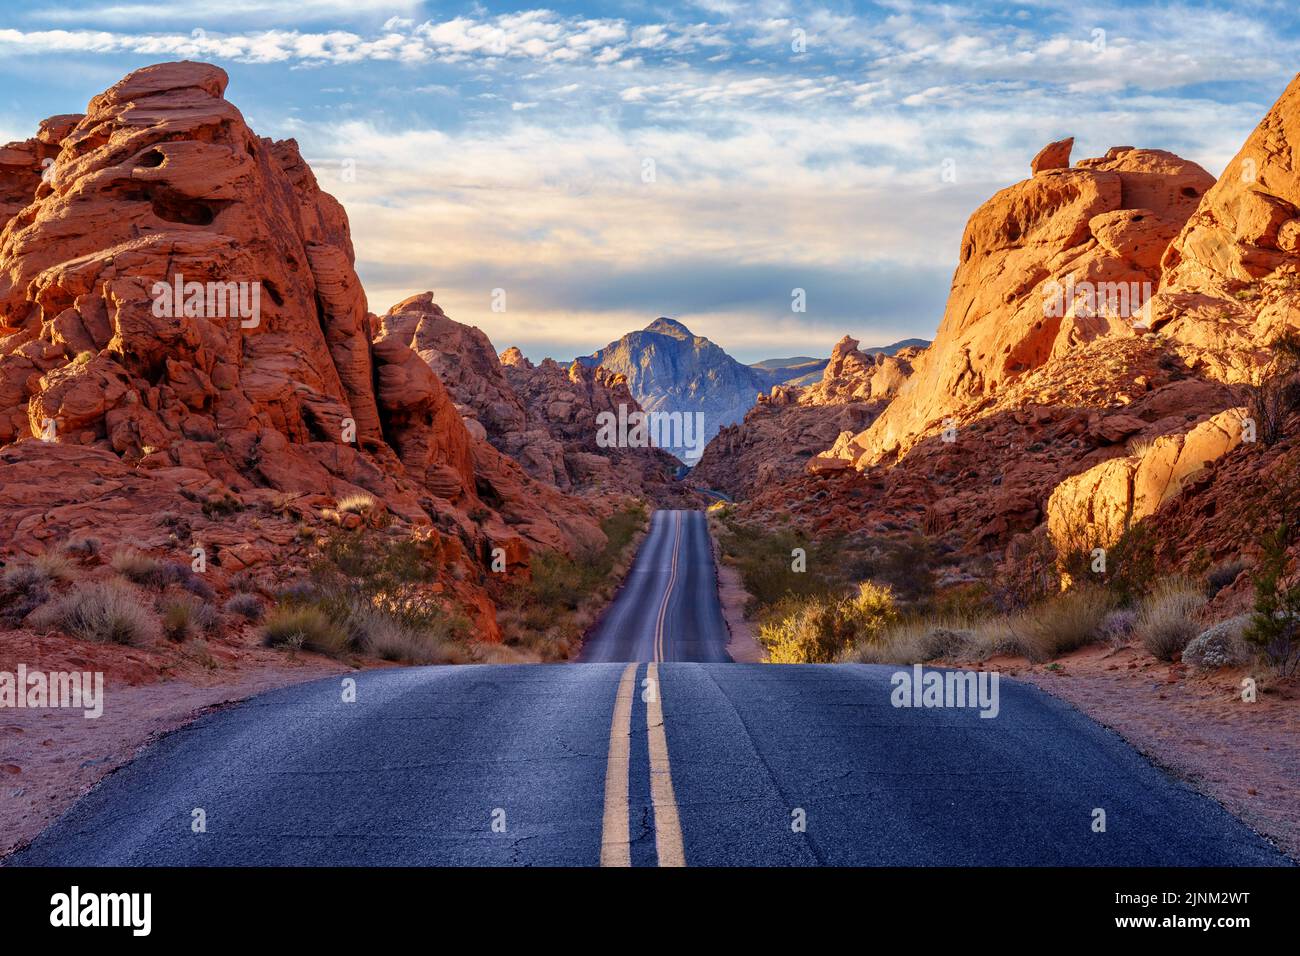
1043	267
1100	504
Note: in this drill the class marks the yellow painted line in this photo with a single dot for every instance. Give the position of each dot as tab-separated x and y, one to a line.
672	580
615	839
668	827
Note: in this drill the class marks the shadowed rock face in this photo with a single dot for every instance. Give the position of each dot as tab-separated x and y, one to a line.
307	394
543	416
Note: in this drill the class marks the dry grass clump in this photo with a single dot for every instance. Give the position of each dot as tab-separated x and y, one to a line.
384	636
83	547
1060	624
245	605
101	611
23	588
55	566
1169	618
143	569
304	628
185	616
914	642
359	504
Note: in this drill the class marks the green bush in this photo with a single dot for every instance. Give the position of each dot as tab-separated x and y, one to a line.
1274	628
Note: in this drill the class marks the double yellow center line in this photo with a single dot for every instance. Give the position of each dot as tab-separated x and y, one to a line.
615	836
668	591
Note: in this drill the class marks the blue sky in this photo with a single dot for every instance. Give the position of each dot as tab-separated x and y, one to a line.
794	145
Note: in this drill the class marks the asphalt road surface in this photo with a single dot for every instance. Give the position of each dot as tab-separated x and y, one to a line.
667	610
642	763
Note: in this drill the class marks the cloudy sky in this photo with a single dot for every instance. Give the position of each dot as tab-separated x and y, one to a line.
607	163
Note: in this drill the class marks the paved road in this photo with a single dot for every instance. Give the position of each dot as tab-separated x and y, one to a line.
668	608
642	764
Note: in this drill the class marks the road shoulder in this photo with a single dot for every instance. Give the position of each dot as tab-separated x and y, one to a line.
742	643
1194	726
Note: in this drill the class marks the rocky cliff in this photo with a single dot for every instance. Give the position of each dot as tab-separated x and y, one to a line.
791	424
1065	257
180	323
1083	376
543	416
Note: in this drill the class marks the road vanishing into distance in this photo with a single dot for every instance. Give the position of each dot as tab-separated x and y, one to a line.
667	609
654	750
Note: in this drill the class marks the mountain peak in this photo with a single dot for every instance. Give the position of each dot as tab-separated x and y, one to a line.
671	327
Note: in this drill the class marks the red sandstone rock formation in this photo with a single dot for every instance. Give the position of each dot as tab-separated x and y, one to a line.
1105	221
1231	277
791	425
543	416
306	396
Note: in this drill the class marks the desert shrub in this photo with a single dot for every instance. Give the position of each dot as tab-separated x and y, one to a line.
23	588
185	615
763	559
379	634
1168	617
905	566
1028	574
1117	627
820	630
963	602
101	611
368	592
559	581
1062	623
222	505
296	592
1220	645
549	614
1274	628
83	547
1223	574
247	606
1131	565
304	628
1275	397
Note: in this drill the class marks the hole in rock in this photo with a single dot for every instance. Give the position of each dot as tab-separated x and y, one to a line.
173	208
